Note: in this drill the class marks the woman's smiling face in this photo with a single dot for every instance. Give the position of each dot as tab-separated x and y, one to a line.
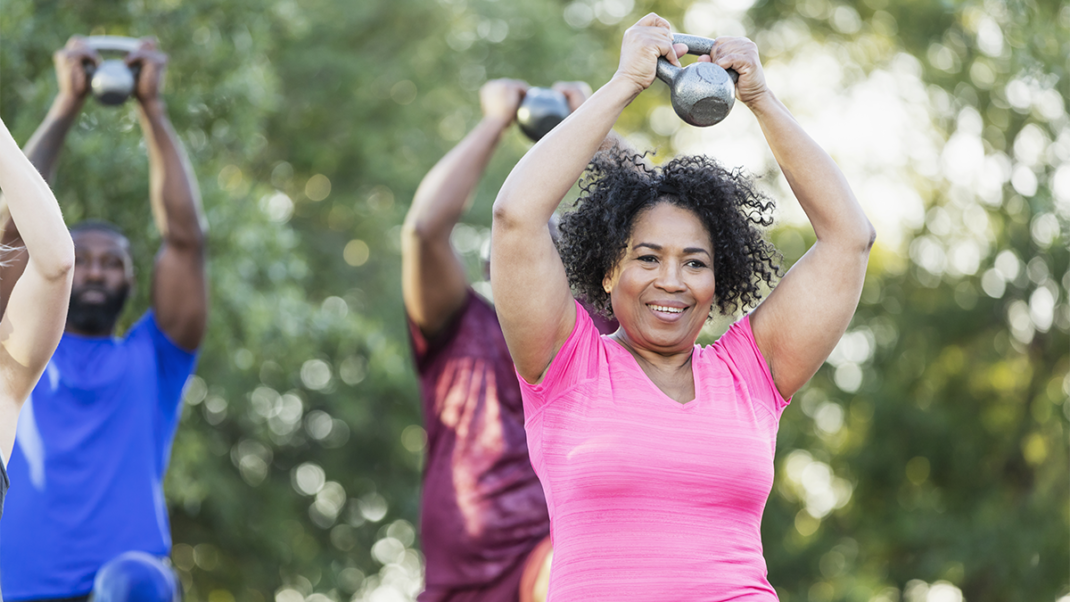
663	288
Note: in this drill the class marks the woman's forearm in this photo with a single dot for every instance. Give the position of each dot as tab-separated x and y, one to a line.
545	174
816	180
34	210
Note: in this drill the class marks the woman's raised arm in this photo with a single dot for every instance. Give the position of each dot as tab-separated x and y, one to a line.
531	291
804	317
35	316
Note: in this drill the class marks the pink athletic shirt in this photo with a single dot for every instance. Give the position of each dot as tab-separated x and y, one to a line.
651	499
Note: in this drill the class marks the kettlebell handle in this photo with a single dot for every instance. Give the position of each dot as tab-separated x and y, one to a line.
696	45
113	43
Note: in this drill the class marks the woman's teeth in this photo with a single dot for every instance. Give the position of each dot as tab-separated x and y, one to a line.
671	310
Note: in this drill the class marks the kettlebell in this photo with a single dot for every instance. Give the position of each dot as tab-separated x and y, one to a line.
112	82
540	111
702	93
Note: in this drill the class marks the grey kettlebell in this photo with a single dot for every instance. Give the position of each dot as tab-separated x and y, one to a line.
702	93
540	111
112	82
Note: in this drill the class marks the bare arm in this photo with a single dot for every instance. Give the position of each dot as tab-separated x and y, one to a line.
36	311
577	93
800	322
433	279
44	147
531	291
179	284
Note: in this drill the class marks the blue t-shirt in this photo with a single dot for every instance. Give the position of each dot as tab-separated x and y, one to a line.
91	450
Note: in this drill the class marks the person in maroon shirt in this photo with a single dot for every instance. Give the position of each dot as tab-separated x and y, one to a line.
483	520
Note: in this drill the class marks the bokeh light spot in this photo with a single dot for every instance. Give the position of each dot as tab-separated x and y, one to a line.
404	92
316	374
318	187
414	438
917	470
356	253
308	478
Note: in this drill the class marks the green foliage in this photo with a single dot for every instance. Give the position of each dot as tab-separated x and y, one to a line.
939	428
953	445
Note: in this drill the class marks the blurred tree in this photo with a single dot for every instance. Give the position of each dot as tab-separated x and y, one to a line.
931	452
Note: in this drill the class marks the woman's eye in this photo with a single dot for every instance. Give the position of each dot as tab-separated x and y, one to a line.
694	263
647	258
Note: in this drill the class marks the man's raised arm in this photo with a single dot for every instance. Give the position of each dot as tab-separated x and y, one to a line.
179	283
433	279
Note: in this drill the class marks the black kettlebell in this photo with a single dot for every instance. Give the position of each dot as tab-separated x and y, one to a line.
540	111
112	81
702	93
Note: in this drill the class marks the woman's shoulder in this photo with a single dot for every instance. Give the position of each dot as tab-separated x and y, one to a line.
731	333
736	346
578	358
737	352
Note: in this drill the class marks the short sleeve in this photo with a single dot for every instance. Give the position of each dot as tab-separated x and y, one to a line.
174	365
739	349
576	361
425	349
420	343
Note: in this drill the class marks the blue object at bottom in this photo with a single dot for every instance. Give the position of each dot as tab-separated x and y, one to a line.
135	577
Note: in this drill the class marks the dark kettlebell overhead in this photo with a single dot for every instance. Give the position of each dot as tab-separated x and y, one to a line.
702	93
541	110
112	82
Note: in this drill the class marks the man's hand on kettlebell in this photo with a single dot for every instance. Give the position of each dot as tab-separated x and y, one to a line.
500	99
71	62
575	92
151	64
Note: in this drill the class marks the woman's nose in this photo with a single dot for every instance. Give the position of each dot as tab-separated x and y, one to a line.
669	278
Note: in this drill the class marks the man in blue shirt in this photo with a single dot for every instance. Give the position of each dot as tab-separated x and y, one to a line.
94	439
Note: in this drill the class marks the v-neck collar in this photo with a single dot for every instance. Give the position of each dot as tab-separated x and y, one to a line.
661	395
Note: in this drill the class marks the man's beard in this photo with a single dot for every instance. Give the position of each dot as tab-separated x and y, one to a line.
96	318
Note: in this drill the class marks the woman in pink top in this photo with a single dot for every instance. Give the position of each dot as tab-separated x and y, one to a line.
656	456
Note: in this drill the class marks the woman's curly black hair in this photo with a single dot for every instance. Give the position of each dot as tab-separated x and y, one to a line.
619	185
